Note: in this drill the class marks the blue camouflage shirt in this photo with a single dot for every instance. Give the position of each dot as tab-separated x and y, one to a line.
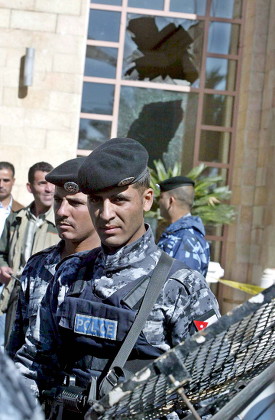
184	299
185	241
34	280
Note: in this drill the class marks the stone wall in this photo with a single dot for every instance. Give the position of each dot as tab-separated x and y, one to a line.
251	240
41	122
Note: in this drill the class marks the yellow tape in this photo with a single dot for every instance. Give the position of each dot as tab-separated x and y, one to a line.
248	288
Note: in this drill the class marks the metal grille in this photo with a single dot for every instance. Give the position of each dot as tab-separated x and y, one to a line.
212	367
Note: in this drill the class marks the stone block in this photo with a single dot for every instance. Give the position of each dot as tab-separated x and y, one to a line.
62	140
18	4
48	119
33	21
54	43
66	7
261	196
34	137
35	98
247	195
242	253
261	176
255	254
246	214
63	82
258	216
73	25
14	118
43	61
248	175
4	18
68	63
3	57
270	234
270	256
15	38
243	233
64	102
10	77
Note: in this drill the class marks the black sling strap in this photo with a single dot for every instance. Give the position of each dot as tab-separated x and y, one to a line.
155	285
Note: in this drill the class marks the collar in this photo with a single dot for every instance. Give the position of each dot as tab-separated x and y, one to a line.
132	254
186	222
49	215
8	208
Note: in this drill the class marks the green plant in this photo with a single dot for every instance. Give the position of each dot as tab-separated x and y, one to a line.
210	194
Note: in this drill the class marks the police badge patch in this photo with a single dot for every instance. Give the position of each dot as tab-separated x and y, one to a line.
94	326
71	187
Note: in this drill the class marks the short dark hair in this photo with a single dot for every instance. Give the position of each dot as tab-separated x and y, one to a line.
7	165
144	181
39	166
184	194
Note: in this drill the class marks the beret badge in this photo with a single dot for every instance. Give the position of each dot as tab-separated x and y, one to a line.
126	181
71	187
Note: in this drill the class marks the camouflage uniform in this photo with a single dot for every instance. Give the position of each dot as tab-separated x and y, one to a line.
16	401
185	298
185	241
34	280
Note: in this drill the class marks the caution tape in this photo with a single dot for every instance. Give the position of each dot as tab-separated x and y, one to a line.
248	288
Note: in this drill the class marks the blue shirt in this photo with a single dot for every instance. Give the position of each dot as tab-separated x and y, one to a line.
185	241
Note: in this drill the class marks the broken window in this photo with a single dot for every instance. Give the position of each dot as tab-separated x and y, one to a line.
163	49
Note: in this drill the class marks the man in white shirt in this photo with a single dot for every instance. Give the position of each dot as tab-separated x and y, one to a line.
7	202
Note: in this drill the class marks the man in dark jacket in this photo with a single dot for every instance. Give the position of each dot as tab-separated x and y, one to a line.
184	239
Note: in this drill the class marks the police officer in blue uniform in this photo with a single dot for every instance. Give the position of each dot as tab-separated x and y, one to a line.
184	238
86	312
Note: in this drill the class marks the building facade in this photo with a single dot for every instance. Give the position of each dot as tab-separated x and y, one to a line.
191	80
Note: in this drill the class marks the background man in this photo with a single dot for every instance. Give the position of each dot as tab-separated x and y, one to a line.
27	231
184	239
7	204
77	234
84	309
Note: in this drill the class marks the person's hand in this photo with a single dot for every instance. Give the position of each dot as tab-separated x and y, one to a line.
5	274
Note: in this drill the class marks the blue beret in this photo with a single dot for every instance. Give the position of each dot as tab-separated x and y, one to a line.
175	182
65	175
117	162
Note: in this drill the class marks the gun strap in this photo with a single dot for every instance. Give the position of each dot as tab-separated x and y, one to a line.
155	285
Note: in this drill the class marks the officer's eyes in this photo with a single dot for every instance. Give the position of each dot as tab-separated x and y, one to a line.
118	199
94	199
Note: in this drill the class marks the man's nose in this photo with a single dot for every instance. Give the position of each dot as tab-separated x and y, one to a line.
107	211
62	209
49	187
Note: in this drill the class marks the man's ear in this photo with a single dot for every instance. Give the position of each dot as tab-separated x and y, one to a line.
171	200
29	188
148	197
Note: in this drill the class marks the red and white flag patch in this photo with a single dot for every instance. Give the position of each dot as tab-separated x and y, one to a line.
205	320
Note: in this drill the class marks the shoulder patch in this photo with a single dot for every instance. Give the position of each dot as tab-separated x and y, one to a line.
205	320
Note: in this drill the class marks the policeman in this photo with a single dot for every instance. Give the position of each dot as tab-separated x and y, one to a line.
184	238
85	315
77	234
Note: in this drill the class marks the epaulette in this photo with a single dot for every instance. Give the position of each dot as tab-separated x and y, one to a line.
44	251
84	257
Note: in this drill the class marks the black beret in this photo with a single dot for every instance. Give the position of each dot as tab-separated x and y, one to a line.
65	175
117	162
175	182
